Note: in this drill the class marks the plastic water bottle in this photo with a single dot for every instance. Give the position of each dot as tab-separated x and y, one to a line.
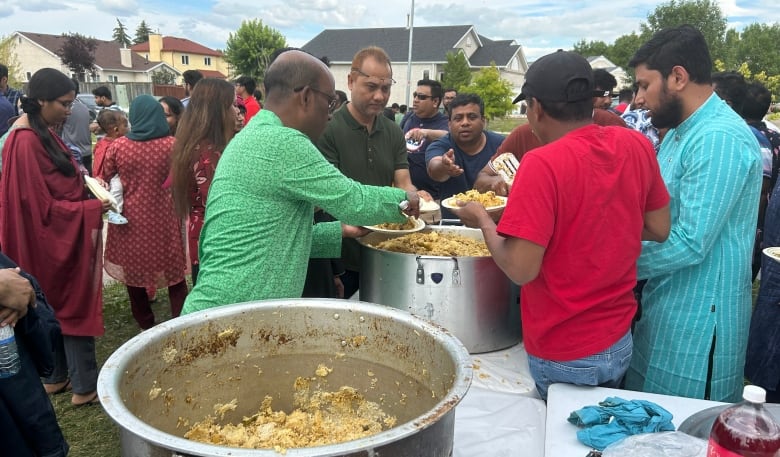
9	354
745	429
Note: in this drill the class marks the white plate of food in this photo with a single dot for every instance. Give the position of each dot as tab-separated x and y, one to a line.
428	206
773	253
489	200
411	225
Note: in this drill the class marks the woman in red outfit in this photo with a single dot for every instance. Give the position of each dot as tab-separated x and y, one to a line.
149	250
205	128
51	227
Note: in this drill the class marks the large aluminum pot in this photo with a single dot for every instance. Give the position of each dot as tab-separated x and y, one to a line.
470	296
174	374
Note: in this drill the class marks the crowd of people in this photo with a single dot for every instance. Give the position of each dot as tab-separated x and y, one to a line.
631	230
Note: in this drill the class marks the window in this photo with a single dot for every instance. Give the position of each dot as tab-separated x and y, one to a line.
207	61
113	78
426	74
185	60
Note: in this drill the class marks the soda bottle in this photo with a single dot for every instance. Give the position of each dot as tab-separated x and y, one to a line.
745	429
9	354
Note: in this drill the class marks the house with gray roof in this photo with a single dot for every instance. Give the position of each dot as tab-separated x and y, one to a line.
429	54
623	79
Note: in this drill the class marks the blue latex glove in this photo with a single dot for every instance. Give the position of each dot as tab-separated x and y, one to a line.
616	418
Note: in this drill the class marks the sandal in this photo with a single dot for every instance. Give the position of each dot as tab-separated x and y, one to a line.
57	387
86	399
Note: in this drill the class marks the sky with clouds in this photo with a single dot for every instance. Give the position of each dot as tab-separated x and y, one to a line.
540	26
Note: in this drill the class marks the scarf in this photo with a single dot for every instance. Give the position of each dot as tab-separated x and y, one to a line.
147	119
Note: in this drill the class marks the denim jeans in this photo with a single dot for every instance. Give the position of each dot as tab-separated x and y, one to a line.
605	369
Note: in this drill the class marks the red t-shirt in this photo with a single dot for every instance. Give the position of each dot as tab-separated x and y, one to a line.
252	108
583	198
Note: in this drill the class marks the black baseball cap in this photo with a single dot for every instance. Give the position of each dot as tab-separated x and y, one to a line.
548	78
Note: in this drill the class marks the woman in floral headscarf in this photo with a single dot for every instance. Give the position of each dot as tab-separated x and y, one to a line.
148	252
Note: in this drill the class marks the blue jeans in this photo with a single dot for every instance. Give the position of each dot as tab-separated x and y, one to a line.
605	369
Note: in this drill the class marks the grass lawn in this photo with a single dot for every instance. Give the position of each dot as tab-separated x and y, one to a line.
505	125
88	430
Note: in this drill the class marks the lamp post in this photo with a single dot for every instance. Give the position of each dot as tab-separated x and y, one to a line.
409	58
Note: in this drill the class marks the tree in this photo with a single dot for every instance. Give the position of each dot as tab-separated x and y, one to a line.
495	92
705	15
623	49
120	34
142	33
78	53
591	48
457	73
163	76
757	46
8	58
249	49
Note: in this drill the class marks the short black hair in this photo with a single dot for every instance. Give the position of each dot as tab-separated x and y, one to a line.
248	82
3	71
568	111
466	99
436	91
102	91
757	101
342	96
731	87
626	95
603	80
684	46
174	104
192	77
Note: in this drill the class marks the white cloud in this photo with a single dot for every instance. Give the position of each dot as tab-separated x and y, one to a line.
118	7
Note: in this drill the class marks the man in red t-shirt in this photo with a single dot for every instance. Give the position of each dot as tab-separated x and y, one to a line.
571	232
245	89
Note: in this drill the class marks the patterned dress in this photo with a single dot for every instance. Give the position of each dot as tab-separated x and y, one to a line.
149	250
204	174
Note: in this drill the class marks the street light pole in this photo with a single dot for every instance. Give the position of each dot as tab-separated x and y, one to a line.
409	59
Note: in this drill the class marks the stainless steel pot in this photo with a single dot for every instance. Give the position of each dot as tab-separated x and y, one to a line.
174	374
470	296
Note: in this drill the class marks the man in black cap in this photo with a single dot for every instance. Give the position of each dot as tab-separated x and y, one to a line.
572	229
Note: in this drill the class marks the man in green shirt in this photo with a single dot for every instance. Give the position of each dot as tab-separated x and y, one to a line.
258	233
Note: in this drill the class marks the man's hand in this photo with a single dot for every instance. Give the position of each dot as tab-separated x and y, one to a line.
414	203
353	231
448	162
16	294
473	215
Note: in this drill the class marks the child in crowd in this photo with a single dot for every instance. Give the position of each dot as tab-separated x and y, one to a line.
114	123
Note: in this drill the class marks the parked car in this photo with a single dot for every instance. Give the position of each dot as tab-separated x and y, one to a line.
89	101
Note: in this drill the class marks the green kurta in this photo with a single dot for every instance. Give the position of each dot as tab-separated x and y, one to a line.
258	233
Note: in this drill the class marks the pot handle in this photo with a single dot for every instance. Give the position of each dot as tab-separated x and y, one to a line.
421	271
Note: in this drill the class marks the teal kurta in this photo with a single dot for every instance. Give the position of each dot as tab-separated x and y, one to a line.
258	233
699	279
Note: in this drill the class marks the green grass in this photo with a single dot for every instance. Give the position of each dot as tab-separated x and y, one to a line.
88	430
505	125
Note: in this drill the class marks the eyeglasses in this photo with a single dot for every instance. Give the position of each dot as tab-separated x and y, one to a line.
421	96
333	100
381	80
66	105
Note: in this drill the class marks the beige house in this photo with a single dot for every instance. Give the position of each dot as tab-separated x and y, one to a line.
429	54
113	63
623	79
183	54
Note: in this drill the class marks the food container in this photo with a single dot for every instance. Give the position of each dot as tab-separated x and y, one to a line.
174	374
470	296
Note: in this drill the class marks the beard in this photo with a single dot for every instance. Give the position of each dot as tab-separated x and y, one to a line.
670	112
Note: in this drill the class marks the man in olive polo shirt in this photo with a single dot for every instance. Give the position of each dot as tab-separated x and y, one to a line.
364	144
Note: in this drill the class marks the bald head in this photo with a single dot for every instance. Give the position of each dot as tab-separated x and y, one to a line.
293	69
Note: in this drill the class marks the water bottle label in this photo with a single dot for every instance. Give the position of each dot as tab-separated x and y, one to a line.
716	450
8	340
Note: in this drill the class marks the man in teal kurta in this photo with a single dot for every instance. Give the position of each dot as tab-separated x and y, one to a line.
258	233
692	335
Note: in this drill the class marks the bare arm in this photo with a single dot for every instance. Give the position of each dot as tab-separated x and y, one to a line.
487	180
441	168
520	260
658	223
